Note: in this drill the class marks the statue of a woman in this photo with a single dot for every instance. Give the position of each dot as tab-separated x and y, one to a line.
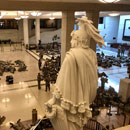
76	85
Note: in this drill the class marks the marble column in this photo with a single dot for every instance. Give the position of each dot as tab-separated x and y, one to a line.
67	27
94	16
25	31
37	30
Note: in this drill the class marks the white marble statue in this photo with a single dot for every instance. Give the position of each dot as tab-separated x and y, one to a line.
76	85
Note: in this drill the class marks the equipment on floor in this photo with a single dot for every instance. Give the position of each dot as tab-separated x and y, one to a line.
42	124
9	79
18	125
2	119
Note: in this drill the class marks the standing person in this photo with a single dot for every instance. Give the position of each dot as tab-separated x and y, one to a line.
119	51
77	81
128	54
47	80
122	51
39	78
39	63
41	54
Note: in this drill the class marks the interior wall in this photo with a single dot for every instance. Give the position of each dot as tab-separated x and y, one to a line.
16	35
46	36
6	34
109	29
121	27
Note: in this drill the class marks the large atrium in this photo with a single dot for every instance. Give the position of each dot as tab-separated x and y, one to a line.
36	38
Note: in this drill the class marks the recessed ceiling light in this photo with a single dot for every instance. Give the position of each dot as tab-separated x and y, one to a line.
21	12
109	1
24	17
17	18
36	13
51	18
114	14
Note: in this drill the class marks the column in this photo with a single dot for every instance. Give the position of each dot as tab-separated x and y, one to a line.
67	28
25	31
37	30
94	16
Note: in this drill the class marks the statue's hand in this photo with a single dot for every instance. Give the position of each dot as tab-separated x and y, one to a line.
50	111
50	102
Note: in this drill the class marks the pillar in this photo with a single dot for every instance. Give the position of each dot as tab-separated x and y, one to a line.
37	30
25	31
67	27
94	16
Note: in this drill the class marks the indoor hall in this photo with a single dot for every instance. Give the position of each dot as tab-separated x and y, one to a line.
25	87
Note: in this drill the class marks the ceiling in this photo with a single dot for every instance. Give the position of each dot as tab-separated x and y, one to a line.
48	14
75	1
20	4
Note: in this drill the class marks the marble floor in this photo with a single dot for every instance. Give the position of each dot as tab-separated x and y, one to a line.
114	73
18	100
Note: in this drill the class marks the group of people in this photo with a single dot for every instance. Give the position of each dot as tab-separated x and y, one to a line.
49	70
40	77
121	51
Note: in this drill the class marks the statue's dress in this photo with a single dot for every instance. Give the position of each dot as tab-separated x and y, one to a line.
75	90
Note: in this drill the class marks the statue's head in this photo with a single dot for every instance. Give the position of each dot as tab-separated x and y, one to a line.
81	37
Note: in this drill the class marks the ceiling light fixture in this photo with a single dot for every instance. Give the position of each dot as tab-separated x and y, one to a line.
17	18
109	1
21	12
24	16
35	13
114	14
52	17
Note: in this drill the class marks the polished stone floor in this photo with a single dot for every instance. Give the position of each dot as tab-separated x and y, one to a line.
18	100
114	73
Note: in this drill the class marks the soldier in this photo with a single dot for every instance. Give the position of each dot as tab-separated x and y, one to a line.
118	52
102	54
39	78
39	44
103	81
47	80
122	51
128	53
39	64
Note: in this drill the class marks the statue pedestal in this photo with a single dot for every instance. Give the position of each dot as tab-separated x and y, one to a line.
124	89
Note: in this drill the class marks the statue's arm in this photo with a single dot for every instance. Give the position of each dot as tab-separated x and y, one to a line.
51	102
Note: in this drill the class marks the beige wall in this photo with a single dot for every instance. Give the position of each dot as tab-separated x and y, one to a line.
9	34
47	35
16	35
